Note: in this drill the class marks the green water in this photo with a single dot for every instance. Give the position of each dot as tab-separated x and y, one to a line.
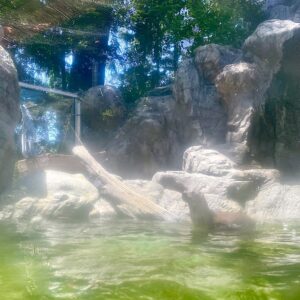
127	260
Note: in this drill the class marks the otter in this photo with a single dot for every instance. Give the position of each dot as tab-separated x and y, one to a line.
202	217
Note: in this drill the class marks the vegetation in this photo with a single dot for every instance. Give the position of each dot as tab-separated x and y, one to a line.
159	33
147	38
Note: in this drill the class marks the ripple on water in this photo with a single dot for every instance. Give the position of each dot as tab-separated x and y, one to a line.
131	260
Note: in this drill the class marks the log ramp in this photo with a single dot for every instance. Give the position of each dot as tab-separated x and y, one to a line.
127	200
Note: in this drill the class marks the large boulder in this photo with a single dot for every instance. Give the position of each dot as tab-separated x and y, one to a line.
218	192
9	117
171	119
198	159
148	141
103	112
261	96
275	126
243	103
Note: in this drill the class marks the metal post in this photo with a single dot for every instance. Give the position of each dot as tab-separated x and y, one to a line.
77	121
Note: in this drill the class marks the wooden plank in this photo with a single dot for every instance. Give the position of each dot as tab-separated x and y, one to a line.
125	199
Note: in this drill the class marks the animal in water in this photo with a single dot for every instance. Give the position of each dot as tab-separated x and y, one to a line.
204	218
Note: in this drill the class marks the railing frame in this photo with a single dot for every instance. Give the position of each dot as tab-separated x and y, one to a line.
75	97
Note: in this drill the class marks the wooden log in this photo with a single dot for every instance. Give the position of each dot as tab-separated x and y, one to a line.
125	199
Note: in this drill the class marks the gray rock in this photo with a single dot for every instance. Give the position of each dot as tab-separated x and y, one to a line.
273	138
283	9
214	189
103	112
148	141
67	197
9	117
169	199
260	94
276	202
198	159
162	127
103	210
282	12
211	59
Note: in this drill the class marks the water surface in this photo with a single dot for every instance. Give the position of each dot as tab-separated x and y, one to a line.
129	260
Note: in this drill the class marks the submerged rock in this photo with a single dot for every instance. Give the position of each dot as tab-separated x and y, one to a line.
9	117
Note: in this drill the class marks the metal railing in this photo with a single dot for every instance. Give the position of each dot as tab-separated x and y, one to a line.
75	97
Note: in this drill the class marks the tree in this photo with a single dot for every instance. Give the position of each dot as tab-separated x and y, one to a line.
159	33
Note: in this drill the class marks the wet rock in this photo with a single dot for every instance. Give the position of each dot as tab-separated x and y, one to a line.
9	117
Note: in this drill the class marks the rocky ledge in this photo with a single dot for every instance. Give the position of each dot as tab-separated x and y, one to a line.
9	117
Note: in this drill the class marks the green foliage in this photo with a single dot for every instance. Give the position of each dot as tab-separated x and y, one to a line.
159	33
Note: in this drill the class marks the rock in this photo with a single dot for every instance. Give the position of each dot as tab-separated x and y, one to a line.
214	189
9	117
164	125
211	177
206	161
283	9
260	96
211	59
103	112
267	42
168	199
103	210
239	86
161	91
274	136
1	33
282	12
276	202
148	141
63	196
203	116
